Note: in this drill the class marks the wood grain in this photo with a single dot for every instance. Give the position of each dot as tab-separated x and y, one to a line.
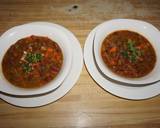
87	104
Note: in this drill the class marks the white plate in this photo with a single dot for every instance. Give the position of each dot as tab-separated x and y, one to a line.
68	83
134	93
54	33
141	27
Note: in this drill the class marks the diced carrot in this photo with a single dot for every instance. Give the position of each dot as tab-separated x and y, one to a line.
49	50
56	56
113	49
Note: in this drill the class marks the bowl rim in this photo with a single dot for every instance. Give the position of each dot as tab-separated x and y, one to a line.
49	32
138	26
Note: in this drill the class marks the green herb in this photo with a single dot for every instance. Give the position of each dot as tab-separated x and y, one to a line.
33	57
26	67
132	53
125	54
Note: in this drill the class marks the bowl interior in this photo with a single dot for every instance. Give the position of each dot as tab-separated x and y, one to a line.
16	33
145	29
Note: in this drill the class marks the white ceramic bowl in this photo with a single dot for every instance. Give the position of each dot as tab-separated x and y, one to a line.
141	27
18	32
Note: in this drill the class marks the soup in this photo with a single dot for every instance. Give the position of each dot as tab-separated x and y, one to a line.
32	62
128	54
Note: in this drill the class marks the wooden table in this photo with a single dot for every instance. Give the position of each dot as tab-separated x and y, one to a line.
87	104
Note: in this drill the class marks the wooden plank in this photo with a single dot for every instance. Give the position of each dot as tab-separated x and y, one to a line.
86	105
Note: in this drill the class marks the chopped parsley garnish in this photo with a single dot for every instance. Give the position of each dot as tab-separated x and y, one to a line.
26	67
30	59
132	53
33	57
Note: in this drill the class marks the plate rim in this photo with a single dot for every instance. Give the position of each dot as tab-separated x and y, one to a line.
64	90
128	92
